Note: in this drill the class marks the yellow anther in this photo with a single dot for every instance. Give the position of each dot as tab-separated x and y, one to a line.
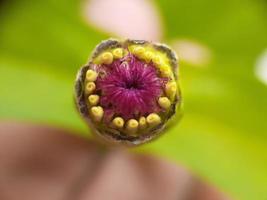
117	53
142	123
148	56
171	89
138	51
93	99
107	58
157	60
118	122
165	71
90	88
132	126
97	113
164	102
91	75
153	119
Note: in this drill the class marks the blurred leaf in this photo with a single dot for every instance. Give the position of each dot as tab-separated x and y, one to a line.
42	45
38	95
231	27
223	134
51	32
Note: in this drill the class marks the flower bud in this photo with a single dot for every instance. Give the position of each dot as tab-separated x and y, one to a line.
129	90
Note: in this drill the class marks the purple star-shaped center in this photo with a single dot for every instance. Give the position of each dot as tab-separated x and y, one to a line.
130	88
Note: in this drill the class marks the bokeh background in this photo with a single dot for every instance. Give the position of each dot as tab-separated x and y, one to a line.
222	46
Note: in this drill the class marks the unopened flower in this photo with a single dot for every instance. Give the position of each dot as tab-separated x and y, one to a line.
129	90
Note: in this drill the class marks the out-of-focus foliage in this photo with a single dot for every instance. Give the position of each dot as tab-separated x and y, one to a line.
223	135
42	45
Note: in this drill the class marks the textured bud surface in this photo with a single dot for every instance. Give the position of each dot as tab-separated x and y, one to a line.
129	90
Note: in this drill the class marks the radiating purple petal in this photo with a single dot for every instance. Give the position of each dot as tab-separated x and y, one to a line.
131	90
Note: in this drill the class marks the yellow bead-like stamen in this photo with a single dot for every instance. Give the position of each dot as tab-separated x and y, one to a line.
165	71
132	126
153	119
139	51
90	88
171	89
157	60
118	122
164	102
148	56
106	58
93	99
117	53
142	123
91	75
97	113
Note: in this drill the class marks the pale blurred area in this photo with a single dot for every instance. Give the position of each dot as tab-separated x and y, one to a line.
137	19
140	19
261	67
42	163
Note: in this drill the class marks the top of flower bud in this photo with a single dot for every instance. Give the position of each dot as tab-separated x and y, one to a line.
128	90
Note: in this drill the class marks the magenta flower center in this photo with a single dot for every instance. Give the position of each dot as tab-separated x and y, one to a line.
129	88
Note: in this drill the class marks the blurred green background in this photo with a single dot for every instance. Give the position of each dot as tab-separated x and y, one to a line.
223	135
